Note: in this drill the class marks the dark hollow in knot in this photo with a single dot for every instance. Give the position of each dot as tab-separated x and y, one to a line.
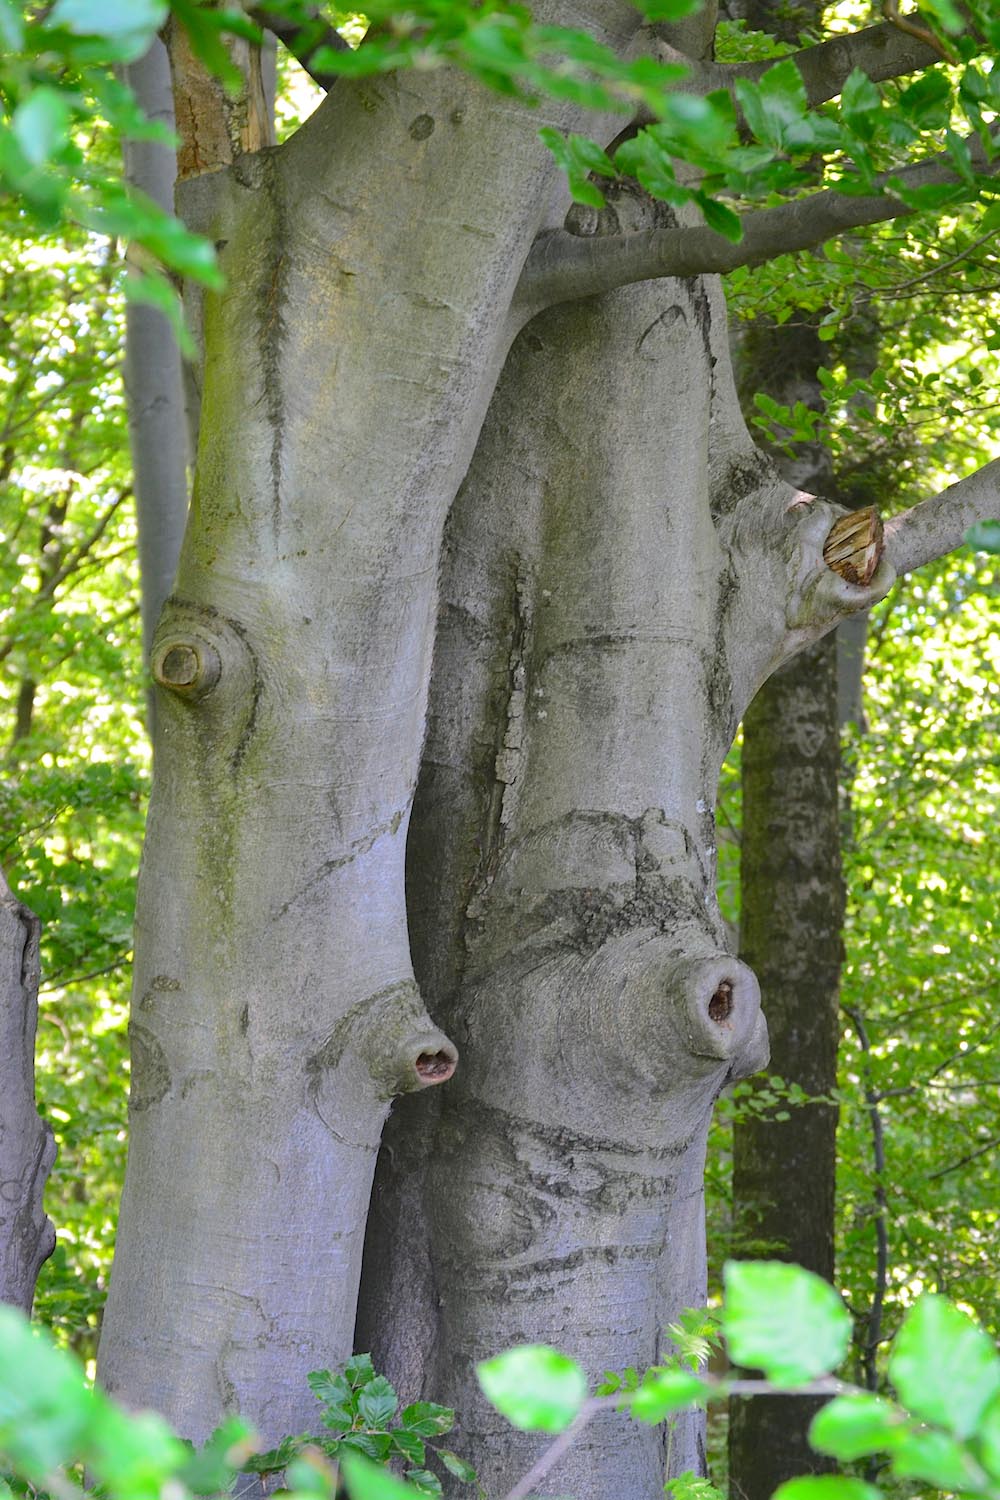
434	1067
179	666
720	1007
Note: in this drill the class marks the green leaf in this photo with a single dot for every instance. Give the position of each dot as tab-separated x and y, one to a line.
46	1407
310	1476
366	1481
133	1455
774	105
851	1427
826	1487
943	1366
331	1389
359	1370
665	1391
783	1320
427	1419
457	1466
935	1458
958	150
927	101
39	125
128	26
209	1469
11	25
424	1481
668	10
377	1401
984	536
989	1437
536	1388
374	1445
409	1445
721	218
860	102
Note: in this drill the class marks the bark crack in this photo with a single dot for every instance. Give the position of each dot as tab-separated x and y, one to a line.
272	329
510	750
359	847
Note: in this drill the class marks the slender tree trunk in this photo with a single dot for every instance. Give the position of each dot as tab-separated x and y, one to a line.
27	1147
784	1172
153	376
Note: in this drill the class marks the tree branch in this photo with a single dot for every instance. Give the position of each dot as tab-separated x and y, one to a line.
302	41
882	52
936	527
562	266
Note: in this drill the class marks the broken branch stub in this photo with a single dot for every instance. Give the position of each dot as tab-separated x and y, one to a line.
855	544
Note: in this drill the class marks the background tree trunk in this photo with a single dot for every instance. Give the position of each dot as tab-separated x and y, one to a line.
158	432
791	933
27	1149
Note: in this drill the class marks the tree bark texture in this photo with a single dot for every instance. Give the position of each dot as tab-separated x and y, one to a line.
347	370
784	1172
153	376
620	573
27	1147
593	658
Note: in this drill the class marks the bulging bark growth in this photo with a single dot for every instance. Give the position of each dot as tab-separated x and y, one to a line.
27	1147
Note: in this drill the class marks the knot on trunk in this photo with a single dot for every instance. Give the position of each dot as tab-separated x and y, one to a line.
394	1039
187	666
718	1002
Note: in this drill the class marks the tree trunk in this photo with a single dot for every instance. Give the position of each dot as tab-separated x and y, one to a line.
623	571
784	1172
593	658
27	1147
348	366
153	377
791	933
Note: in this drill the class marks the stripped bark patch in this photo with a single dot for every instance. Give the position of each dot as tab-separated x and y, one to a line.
855	545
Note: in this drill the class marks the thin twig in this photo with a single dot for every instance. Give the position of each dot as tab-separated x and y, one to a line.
873	1336
56	983
555	1451
964	1161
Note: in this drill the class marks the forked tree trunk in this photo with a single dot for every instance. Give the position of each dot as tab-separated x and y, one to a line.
622	570
27	1147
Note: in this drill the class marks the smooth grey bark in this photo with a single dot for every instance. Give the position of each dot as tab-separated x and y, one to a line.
348	366
603	626
27	1147
154	393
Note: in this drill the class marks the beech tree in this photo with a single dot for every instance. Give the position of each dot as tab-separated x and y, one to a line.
481	571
